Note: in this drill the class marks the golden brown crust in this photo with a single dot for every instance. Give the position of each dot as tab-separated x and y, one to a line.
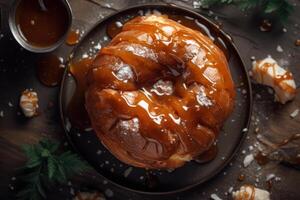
159	93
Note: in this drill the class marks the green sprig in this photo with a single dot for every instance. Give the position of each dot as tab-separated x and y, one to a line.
45	167
280	8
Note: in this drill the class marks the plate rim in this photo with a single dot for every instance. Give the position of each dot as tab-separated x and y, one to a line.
249	97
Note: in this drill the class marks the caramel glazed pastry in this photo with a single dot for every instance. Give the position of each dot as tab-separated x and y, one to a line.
159	93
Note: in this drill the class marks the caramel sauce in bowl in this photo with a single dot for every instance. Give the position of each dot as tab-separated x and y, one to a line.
40	25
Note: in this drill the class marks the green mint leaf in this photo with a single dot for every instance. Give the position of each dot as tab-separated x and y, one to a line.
50	145
281	8
273	5
40	189
45	153
46	167
51	167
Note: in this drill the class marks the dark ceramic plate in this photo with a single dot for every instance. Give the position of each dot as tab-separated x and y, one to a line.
155	181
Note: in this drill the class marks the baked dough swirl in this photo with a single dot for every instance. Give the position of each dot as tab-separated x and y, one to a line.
159	93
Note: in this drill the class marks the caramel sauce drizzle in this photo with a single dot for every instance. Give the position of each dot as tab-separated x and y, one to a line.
73	38
166	122
50	70
277	79
245	195
76	111
262	157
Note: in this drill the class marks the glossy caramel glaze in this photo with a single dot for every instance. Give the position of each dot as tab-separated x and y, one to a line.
76	111
73	38
159	93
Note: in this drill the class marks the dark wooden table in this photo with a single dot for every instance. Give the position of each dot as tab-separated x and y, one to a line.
17	72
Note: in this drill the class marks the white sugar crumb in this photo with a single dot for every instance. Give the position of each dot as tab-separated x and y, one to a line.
1	113
270	91
248	160
98	46
72	191
279	49
130	97
284	30
294	113
125	73
270	177
29	103
88	129
162	87
202	98
127	172
105	38
245	130
10	104
141	12
107	5
230	190
197	4
109	193
85	55
215	197
99	152
119	24
277	178
156	12
129	126
68	125
11	187
170	170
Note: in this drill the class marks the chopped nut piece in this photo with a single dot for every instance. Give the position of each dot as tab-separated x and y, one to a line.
215	197
265	26
249	192
294	113
268	72
29	103
248	160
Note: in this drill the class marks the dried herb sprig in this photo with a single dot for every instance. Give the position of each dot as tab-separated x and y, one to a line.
280	8
46	167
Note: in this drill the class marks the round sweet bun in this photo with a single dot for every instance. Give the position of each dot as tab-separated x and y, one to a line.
159	93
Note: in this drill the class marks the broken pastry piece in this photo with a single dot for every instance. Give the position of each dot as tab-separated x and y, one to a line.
29	103
268	72
89	196
249	192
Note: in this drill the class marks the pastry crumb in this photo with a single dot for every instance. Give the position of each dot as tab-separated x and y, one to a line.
29	103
